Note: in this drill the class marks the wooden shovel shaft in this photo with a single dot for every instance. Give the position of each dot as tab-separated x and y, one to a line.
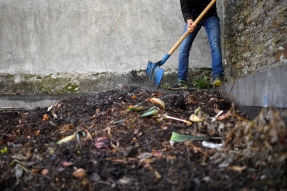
188	31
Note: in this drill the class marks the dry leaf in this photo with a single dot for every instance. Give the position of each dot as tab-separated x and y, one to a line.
66	127
213	99
79	173
195	118
158	102
44	172
238	168
157	175
145	155
147	161
197	110
36	133
45	117
164	127
65	163
224	116
157	154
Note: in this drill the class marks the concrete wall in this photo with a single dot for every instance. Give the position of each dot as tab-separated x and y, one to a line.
51	46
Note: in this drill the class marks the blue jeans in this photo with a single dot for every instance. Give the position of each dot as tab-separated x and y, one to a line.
212	27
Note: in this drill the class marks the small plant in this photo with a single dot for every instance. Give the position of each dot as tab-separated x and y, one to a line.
164	86
201	83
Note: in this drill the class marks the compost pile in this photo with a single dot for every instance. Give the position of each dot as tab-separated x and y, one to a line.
133	138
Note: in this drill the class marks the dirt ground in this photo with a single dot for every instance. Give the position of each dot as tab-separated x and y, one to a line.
110	146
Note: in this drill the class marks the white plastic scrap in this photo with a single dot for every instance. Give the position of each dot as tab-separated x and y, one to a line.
212	145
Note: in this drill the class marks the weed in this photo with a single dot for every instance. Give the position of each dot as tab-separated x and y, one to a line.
201	83
164	86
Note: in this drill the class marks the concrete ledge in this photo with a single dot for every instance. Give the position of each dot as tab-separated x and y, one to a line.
262	89
29	102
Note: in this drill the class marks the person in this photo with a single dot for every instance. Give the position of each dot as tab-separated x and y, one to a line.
191	9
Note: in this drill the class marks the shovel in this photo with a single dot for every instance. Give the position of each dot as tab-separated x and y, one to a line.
154	73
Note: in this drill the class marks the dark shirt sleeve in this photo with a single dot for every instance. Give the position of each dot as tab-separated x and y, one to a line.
191	9
186	9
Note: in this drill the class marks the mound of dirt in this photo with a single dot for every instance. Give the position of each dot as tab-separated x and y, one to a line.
104	142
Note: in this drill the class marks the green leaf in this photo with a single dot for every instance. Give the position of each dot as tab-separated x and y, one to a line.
149	113
176	137
4	151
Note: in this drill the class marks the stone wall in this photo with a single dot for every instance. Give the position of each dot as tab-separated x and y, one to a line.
255	36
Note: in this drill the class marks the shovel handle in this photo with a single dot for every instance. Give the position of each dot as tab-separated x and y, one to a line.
188	31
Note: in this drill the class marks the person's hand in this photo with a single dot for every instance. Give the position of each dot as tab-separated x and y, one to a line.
190	25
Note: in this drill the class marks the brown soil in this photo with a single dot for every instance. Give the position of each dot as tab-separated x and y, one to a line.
115	149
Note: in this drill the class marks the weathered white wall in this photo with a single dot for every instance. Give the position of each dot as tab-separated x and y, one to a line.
91	36
60	46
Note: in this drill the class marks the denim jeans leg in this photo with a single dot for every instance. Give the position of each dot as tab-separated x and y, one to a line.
184	50
212	27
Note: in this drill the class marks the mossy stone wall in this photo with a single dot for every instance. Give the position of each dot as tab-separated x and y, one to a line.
255	36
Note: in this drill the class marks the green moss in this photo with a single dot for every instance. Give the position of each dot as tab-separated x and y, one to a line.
165	86
96	74
44	91
7	76
71	88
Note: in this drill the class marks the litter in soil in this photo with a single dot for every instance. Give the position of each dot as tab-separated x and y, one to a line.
133	138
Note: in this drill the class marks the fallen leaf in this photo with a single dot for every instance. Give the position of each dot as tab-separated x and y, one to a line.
36	133
66	164
147	161
145	155
213	99
238	168
164	127
224	116
157	154
79	173
157	175
45	117
19	157
197	110
195	118
157	101
45	172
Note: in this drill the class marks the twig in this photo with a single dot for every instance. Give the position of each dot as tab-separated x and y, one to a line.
195	148
3	132
231	90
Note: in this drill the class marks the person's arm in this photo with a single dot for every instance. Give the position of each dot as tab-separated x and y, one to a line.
187	14
186	9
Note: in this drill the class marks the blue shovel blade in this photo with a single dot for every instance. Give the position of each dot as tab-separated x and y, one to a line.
154	73
158	73
149	68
